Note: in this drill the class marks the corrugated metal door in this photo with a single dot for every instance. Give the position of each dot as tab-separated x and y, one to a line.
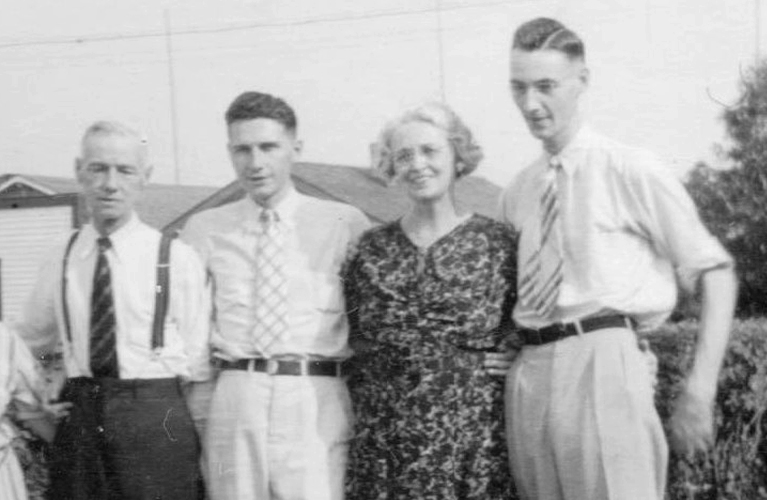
26	237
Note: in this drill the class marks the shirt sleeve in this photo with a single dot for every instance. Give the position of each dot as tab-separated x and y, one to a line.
358	225
194	234
669	219
38	325
28	376
508	202
501	212
191	295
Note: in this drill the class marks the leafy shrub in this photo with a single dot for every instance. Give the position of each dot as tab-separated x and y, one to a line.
731	201
736	469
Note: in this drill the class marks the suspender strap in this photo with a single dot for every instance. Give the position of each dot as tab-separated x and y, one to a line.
161	291
64	303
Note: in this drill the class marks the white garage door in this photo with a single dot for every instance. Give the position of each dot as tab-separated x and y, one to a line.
26	236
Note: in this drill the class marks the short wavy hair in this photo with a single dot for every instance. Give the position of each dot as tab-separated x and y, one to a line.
252	105
468	153
544	33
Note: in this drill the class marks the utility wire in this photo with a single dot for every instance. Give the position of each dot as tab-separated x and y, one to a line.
151	57
243	27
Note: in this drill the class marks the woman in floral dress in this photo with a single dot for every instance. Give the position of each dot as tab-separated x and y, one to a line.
429	297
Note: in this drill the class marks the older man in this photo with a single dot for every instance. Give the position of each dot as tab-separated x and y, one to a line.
280	417
130	336
604	228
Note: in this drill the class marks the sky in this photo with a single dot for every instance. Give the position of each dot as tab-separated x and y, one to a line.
662	73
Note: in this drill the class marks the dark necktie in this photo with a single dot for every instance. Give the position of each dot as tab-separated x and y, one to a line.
103	340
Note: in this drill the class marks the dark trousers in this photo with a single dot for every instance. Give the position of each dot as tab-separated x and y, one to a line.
125	440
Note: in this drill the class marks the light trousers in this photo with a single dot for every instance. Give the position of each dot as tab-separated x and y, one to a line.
581	421
278	437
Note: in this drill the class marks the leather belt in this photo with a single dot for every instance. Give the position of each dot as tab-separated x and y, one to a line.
287	367
560	331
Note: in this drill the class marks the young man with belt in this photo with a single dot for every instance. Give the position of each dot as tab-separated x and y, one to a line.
605	230
280	415
130	336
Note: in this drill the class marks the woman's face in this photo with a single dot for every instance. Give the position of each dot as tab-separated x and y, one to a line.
424	160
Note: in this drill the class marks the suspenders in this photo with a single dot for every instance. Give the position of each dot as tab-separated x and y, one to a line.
162	289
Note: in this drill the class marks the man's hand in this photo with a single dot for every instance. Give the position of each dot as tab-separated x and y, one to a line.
498	363
41	419
692	424
57	410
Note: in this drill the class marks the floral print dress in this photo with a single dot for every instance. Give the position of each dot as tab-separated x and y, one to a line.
429	418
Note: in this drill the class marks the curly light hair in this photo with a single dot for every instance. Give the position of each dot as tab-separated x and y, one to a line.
468	153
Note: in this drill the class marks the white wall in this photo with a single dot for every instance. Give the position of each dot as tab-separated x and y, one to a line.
26	236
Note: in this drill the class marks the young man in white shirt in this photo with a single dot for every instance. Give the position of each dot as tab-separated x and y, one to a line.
604	228
128	433
280	416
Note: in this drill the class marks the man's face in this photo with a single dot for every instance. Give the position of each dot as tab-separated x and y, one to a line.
546	86
263	152
112	174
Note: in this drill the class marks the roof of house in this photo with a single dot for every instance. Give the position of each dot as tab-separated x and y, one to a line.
168	206
362	188
159	205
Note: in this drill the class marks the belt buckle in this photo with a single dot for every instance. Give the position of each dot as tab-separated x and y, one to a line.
272	366
537	337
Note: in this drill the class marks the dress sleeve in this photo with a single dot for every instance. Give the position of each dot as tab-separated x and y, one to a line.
508	273
351	292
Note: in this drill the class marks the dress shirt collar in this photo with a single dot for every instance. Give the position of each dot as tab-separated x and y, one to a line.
570	155
121	239
285	209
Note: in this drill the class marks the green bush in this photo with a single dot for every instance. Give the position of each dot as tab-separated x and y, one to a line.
736	469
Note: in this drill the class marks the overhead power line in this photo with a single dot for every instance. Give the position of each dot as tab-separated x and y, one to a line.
244	27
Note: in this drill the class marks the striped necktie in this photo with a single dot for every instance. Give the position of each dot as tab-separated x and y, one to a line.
542	272
271	307
103	335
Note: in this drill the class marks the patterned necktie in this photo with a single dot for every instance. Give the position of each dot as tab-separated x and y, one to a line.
103	339
271	308
542	271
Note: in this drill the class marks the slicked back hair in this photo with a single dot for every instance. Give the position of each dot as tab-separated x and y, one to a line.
253	105
544	33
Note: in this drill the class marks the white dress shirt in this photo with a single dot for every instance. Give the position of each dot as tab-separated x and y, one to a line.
318	236
133	266
628	225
